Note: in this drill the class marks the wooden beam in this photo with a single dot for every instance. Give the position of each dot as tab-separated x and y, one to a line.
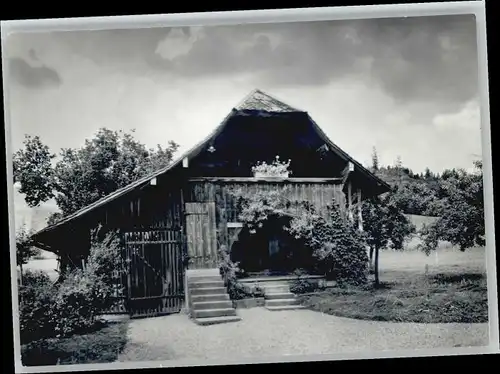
267	180
346	173
349	201
360	215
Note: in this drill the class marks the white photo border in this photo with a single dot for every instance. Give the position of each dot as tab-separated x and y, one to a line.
275	16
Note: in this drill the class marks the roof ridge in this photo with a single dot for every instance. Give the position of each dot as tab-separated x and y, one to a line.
266	102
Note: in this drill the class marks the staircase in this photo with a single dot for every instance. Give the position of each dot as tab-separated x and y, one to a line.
208	299
278	297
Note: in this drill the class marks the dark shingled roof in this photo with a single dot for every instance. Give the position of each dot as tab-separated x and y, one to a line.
255	101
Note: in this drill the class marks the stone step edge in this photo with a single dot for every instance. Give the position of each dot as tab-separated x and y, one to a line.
212	295
204	303
203	321
284	307
281	300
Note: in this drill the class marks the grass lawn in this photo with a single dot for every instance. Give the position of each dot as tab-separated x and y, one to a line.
415	288
100	346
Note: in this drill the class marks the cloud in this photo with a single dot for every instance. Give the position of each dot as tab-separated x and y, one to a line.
179	42
426	59
389	83
33	76
432	60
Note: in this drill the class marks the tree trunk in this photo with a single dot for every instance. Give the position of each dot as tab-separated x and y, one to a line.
377	280
371	260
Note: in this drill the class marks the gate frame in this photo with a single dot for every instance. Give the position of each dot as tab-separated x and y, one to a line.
177	271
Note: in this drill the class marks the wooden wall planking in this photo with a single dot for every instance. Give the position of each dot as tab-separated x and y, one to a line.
319	194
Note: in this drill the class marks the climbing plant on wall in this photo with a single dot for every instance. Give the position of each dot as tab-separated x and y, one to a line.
338	249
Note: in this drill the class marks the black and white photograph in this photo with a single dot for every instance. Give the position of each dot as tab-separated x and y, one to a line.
251	190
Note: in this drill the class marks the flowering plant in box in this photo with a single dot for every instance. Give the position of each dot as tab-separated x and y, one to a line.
276	169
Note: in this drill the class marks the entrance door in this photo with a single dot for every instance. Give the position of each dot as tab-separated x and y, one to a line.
155	273
201	235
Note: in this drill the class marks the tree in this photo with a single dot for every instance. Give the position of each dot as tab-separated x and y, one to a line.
398	164
414	198
33	170
428	174
375	163
105	163
460	210
24	248
385	226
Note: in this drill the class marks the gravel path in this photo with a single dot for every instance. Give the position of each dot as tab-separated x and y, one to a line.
297	332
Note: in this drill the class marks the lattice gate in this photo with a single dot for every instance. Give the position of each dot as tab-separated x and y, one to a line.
155	278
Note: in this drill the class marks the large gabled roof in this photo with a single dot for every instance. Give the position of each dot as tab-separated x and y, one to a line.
257	100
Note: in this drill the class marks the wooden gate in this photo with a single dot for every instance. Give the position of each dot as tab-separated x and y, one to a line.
201	235
155	278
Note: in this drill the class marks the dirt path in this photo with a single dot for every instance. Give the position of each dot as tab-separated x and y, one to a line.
297	332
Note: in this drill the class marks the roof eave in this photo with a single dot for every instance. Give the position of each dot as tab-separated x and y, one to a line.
137	184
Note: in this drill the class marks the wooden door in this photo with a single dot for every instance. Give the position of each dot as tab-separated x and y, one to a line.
201	235
155	275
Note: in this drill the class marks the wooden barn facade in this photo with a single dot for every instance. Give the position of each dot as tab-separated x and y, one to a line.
178	217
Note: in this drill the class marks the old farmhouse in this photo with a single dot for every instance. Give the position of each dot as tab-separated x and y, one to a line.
174	221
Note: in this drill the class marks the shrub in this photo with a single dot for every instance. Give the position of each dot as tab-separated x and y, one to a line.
230	271
340	250
36	300
303	284
24	246
74	303
49	310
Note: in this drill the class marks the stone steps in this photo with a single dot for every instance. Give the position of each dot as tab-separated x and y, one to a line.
208	298
278	297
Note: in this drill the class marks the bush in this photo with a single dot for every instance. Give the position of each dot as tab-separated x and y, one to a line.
36	300
71	306
230	271
303	285
340	250
74	303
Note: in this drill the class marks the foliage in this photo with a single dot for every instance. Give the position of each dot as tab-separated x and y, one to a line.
276	169
101	346
54	218
335	243
71	306
415	198
229	271
36	314
385	226
108	161
33	170
384	223
24	247
461	212
375	163
336	246
303	284
257	207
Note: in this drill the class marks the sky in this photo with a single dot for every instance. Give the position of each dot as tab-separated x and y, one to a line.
407	86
